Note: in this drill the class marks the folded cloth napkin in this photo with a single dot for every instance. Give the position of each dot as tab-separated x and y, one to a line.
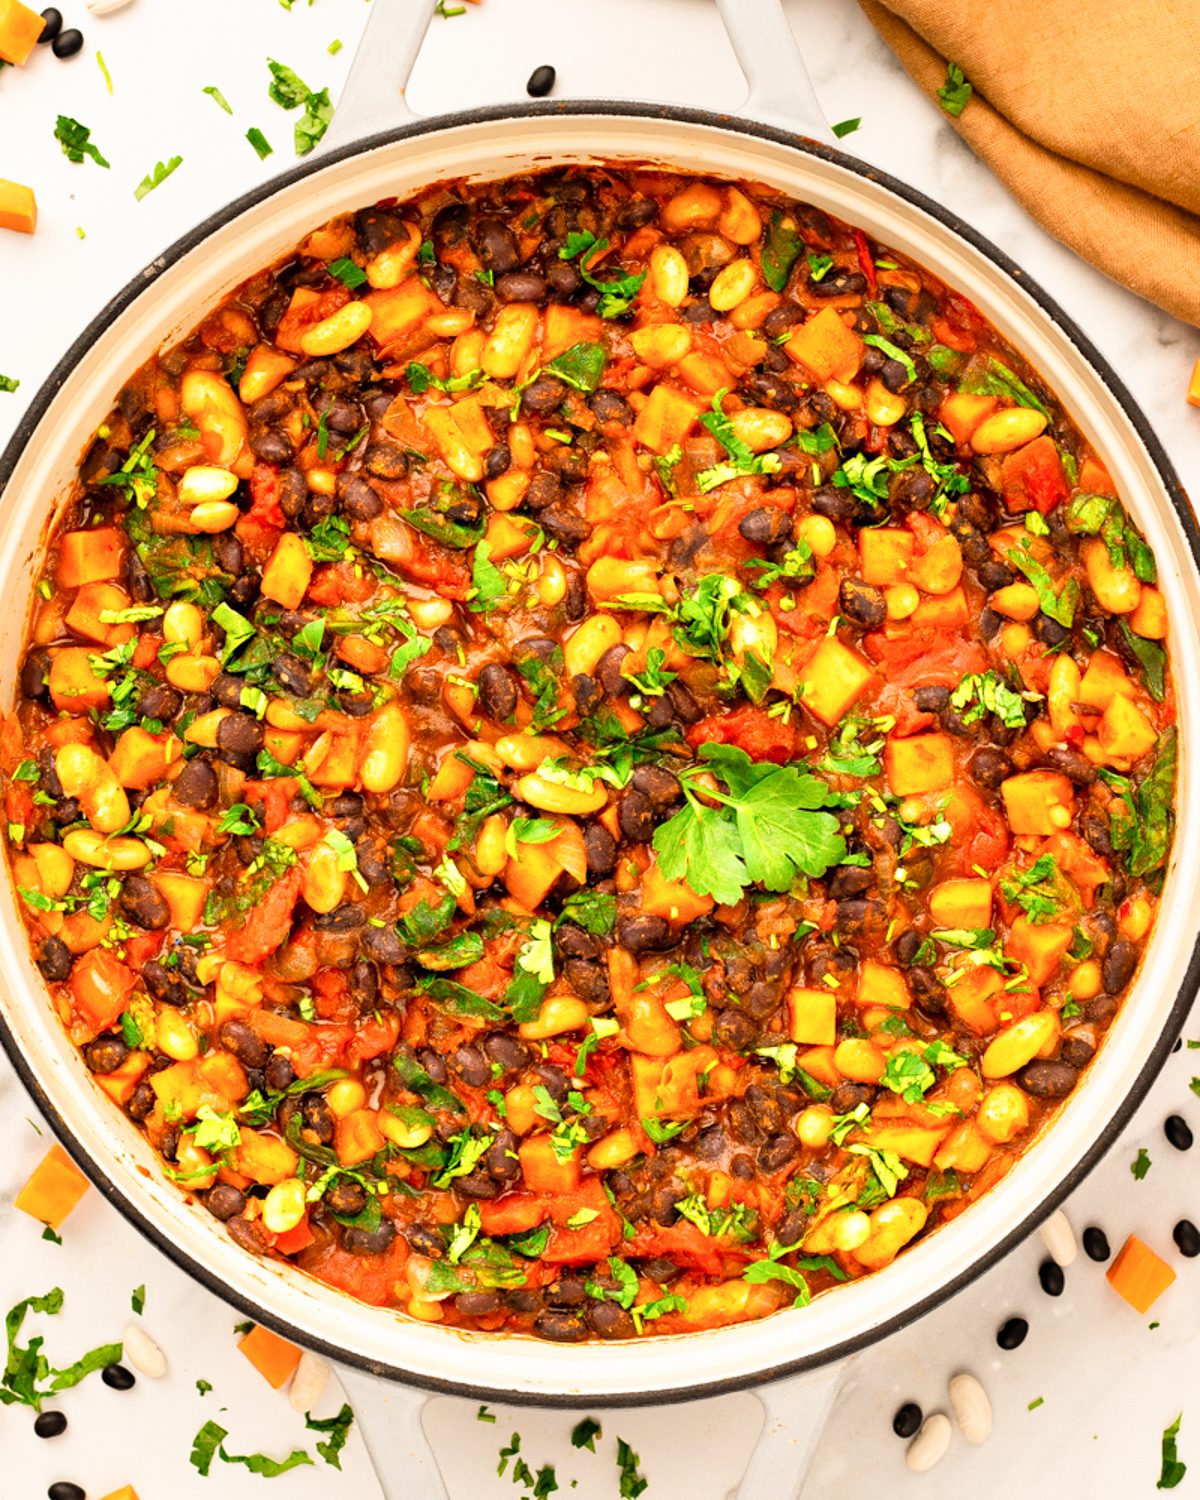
1090	116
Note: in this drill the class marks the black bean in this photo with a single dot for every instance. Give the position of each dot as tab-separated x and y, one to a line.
658	784
35	673
469	1063
850	880
635	816
197	785
53	20
1050	1274
1119	963
379	228
644	934
360	501
293	492
1078	1045
369	1241
564	525
241	733
497	245
340	415
588	979
497	692
1072	764
318	1117
1187	1237
67	43
50	1424
990	767
347	918
541	81
1012	1334
385	460
608	672
54	959
346	1198
1095	831
291	674
1095	1243
271	445
1047	1080
245	1043
560	1327
1178	1132
848	1096
907	1421
501	1158
778	1151
609	406
162	983
245	1234
118	1377
383	945
523	286
610	1321
507	1051
766	526
862	603
894	375
600	848
106	1053
63	1489
735	1030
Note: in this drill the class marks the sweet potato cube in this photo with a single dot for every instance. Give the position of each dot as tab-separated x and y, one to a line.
1193	390
74	687
1039	946
704	373
666	419
884	555
939	570
914	1143
185	895
140	759
471	422
673	899
880	984
398	311
263	1158
812	1016
542	1170
223	1074
826	347
90	557
126	1492
1032	478
357	1137
961	414
18	207
93	600
974	997
288	571
834	679
1125	733
564	327
819	1062
1041	802
961	903
944	611
53	1190
20	28
508	536
1104	678
121	1082
1139	1275
922	763
274	1358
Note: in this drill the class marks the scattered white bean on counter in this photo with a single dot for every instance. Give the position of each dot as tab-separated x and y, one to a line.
143	1353
1059	1238
930	1444
105	7
308	1383
972	1409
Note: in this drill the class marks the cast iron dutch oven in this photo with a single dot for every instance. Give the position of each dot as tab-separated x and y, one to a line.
378	149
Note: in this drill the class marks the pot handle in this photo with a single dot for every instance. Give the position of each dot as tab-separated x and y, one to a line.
781	92
795	1411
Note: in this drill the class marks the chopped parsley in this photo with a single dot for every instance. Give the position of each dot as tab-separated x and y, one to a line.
26	1370
741	459
1142	1165
260	143
955	92
218	97
162	170
74	140
618	294
981	693
1173	1469
846	127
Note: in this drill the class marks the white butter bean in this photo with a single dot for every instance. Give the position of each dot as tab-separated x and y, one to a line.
930	1444
972	1409
1059	1238
308	1383
143	1353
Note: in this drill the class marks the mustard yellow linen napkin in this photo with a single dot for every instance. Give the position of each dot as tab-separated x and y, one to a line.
1090	116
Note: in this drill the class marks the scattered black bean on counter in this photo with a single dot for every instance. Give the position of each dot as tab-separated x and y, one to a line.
50	1424
1095	1242
67	43
65	1490
1178	1132
1178	1047
118	1377
53	20
1012	1334
1187	1237
1050	1274
541	81
907	1421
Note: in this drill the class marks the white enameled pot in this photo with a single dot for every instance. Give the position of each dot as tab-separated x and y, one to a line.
377	149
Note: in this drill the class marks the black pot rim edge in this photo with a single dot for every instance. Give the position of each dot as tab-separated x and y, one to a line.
651	114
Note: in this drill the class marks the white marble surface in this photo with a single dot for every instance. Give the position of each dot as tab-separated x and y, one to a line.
1109	1383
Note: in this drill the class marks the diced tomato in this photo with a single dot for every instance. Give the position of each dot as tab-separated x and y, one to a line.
682	1243
375	1038
18	803
1074	858
141	947
338	583
961	340
750	729
865	260
333	1001
264	497
591	1241
269	922
1033	478
295	1239
321	1048
924	657
370	1278
101	985
515	1213
146	650
275	796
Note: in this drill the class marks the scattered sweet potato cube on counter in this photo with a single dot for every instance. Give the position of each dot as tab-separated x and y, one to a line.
20	28
54	1189
274	1358
18	207
1139	1275
1193	390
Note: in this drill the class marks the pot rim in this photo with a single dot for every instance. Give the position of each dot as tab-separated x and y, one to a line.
1160	461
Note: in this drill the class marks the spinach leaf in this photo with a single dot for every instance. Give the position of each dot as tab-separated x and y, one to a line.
781	250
